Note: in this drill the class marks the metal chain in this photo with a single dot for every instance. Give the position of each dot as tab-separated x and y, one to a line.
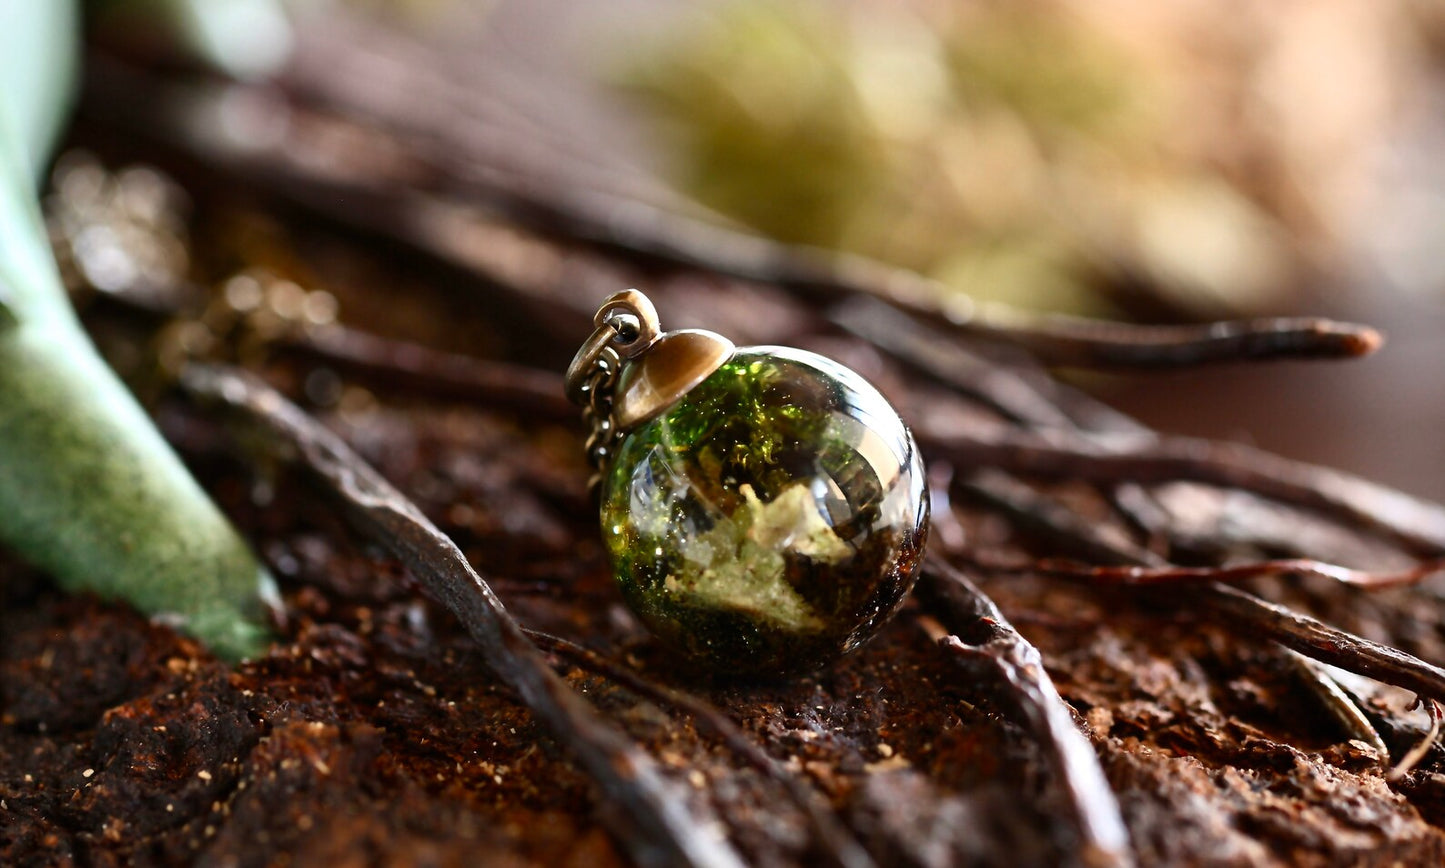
602	435
626	326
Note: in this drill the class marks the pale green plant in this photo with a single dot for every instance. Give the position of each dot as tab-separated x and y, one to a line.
89	490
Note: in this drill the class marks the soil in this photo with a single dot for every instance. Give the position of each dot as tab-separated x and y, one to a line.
374	733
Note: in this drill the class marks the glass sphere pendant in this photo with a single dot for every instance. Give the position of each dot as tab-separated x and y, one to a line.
763	508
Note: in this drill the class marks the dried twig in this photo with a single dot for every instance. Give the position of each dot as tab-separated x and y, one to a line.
1045	516
1139	575
651	821
1016	392
1055	521
1416	523
403	365
837	841
984	642
1238	610
1323	642
616	218
1081	343
1338	701
414	367
618	222
1418	752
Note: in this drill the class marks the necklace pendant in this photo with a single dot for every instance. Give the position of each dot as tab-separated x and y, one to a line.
763	508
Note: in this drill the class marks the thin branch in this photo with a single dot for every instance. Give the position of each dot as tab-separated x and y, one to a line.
838	842
1416	523
1081	343
1139	575
381	361
652	822
982	641
1338	701
1054	520
628	223
1015	392
1248	613
414	367
1418	752
1018	389
618	222
1239	611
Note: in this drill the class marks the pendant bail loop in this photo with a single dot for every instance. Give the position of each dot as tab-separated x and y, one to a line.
629	370
626	325
633	319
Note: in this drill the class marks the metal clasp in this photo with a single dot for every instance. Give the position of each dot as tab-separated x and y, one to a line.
626	326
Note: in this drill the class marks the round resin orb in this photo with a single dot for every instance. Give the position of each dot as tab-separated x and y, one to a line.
770	520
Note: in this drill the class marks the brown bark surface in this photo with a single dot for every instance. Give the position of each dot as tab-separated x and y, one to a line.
377	731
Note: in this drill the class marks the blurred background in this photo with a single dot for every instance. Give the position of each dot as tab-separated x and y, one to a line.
1120	159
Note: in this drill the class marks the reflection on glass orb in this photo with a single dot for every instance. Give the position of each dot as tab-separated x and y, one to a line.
772	519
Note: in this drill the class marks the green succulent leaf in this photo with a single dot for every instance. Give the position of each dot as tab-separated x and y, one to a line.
7	312
89	490
38	67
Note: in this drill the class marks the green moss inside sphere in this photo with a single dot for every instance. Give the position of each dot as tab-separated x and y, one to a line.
771	520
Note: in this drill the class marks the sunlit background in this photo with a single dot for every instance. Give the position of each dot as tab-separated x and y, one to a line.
1113	158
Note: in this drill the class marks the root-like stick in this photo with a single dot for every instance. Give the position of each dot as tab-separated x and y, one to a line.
984	642
650	820
631	225
412	366
1016	392
835	839
1199	576
1416	523
1054	520
1082	343
1239	610
1342	706
1418	752
381	361
626	221
1246	612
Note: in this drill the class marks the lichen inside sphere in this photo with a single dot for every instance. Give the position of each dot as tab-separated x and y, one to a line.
770	520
